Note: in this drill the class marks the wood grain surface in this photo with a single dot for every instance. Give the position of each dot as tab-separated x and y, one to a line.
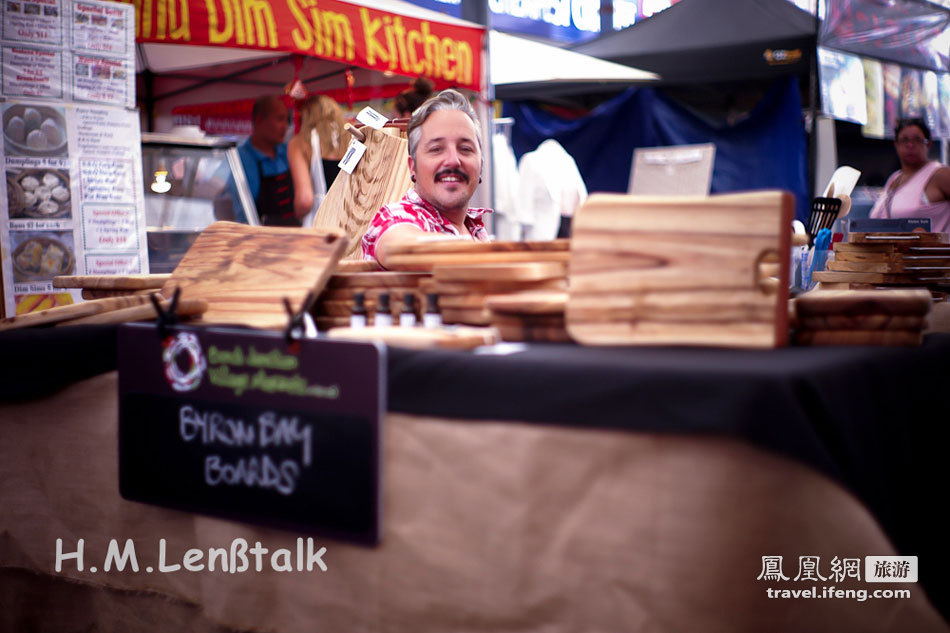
897	238
494	287
470	316
534	303
244	272
382	176
185	308
428	261
111	282
438	244
381	279
864	322
911	267
95	293
417	337
74	311
680	270
859	337
909	301
532	334
500	272
917	278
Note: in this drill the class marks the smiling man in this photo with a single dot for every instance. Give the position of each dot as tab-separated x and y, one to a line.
445	160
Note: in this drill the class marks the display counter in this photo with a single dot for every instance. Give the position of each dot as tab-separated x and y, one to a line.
553	488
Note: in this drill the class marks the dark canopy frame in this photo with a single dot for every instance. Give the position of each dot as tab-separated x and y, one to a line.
711	41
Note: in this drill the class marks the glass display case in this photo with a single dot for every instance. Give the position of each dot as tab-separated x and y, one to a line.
190	182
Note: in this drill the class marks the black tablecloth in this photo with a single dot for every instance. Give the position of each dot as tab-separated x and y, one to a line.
871	418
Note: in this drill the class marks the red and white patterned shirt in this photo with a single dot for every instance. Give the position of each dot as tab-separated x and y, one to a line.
414	210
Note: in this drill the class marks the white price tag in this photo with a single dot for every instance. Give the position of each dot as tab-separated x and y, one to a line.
372	118
353	155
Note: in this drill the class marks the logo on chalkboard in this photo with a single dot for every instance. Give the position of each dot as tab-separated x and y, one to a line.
184	360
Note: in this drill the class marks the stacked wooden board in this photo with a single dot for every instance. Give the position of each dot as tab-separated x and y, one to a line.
419	338
888	259
335	304
531	316
99	311
676	270
426	254
104	286
464	290
862	317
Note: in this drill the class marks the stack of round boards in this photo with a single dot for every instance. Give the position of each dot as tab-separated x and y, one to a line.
530	316
463	290
335	304
862	317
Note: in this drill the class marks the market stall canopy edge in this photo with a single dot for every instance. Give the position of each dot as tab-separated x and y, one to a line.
449	51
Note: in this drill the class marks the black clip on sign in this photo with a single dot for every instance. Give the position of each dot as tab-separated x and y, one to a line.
245	425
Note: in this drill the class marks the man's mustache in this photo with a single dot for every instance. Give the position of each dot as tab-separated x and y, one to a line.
452	172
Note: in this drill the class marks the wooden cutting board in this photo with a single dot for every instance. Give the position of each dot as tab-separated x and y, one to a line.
903	248
185	308
533	303
380	279
382	176
904	301
74	311
859	337
244	272
110	282
911	266
864	322
680	270
877	258
441	245
428	261
504	272
912	279
417	337
897	238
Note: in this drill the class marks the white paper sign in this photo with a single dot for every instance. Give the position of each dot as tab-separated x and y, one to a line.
372	118
353	155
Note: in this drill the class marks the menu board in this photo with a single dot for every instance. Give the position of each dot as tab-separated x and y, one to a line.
68	51
74	203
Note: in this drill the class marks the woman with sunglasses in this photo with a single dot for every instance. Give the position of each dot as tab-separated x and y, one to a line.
921	187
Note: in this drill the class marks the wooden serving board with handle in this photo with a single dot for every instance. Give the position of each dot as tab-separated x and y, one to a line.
244	272
75	311
382	176
680	270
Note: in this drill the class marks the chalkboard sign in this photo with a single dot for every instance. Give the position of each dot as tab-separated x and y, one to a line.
242	425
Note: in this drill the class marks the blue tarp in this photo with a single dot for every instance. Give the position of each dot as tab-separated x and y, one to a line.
766	150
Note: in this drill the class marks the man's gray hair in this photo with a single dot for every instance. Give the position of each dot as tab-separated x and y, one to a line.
446	100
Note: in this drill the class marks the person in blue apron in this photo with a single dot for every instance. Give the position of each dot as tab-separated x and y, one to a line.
264	157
